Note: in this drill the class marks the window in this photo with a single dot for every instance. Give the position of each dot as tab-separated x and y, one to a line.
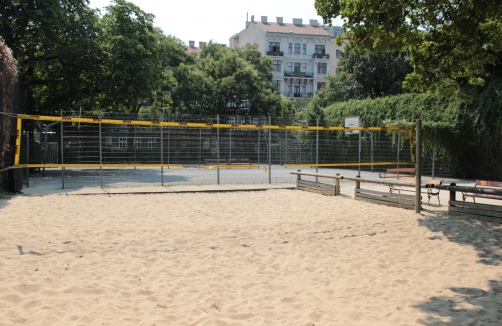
231	120
304	67
274	47
256	121
290	48
290	66
320	85
319	49
322	68
277	84
290	88
338	54
277	65
123	142
297	88
243	120
304	88
297	67
304	48
137	142
151	142
297	48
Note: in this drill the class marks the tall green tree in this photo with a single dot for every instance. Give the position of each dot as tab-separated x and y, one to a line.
365	75
55	43
132	66
223	76
451	43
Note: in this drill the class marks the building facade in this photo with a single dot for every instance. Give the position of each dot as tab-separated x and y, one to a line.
301	53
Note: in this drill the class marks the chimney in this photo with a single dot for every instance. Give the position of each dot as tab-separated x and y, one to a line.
313	22
279	20
297	21
252	18
264	19
191	43
202	44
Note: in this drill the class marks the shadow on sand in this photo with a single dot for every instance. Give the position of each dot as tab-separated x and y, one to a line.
468	306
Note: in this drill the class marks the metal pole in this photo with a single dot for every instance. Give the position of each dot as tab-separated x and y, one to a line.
62	146
317	151
28	158
398	145
230	145
100	153
269	151
359	168
258	147
162	151
418	169
168	145
433	159
218	150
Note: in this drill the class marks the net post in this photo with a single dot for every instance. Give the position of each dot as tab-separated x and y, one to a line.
317	151
269	151
418	176
18	141
218	150
100	153
62	146
162	150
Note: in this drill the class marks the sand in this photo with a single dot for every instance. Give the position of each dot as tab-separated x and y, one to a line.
275	257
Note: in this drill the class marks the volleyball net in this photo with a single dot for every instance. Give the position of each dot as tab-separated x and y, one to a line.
184	141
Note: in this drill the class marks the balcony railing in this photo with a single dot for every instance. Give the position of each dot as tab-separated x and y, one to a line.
298	74
275	53
320	56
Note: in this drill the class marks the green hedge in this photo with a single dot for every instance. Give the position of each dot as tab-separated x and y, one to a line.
469	134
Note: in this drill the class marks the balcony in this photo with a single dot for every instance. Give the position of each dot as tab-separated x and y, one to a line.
320	56
275	53
298	74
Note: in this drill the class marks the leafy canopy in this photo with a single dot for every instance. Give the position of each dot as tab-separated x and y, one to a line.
450	42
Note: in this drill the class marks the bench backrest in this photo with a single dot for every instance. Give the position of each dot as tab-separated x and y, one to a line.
401	170
484	183
434	182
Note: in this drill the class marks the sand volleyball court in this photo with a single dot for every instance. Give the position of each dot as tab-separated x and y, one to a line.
276	257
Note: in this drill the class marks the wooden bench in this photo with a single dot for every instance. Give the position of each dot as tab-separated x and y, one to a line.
215	161
431	192
483	183
408	172
228	161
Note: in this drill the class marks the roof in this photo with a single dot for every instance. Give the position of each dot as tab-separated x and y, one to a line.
197	50
296	29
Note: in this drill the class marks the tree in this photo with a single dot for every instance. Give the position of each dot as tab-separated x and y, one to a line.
56	45
132	66
365	75
451	43
226	76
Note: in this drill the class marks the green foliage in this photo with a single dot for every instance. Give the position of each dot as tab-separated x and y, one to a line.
365	75
470	134
224	76
451	43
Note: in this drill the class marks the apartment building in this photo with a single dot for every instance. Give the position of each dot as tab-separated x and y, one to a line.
301	53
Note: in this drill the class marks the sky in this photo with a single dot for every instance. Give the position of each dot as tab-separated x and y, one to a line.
218	20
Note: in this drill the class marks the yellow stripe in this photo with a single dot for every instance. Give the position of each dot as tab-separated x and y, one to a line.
97	165
201	125
18	141
351	164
